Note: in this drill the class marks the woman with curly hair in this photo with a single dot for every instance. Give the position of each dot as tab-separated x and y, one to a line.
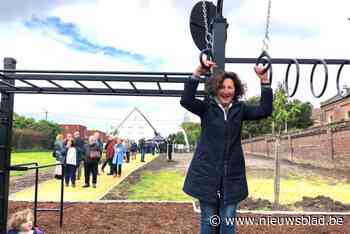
216	175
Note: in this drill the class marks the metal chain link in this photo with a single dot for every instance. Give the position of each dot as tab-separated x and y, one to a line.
208	35
266	39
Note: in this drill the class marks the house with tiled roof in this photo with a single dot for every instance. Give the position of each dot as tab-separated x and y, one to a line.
336	108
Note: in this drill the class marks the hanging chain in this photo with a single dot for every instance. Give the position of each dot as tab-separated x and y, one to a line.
208	35
266	39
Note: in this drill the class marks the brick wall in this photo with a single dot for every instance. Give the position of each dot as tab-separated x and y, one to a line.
103	135
71	128
325	146
84	132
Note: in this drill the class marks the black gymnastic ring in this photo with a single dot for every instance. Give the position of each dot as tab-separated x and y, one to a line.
210	57
297	77
339	73
312	78
263	59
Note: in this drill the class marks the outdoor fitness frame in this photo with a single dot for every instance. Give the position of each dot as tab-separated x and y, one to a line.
9	87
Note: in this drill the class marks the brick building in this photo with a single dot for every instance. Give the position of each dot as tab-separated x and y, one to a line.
103	135
335	109
84	132
71	128
316	116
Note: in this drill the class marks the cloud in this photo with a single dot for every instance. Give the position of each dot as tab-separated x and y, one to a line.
13	10
160	29
69	34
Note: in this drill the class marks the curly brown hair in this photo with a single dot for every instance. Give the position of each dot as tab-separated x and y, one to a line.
214	83
19	218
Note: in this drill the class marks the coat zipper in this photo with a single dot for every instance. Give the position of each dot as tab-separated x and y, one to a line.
218	192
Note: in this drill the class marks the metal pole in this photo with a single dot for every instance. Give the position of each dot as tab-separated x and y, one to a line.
62	193
219	42
36	196
219	7
6	115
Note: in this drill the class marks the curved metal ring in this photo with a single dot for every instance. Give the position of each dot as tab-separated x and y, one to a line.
297	77
209	55
263	59
338	75
312	78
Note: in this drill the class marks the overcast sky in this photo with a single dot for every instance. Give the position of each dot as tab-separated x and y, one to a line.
153	35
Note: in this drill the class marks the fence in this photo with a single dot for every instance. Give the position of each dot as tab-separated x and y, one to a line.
23	139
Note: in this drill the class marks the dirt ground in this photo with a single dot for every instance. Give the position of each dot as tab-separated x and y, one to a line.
154	218
176	217
259	165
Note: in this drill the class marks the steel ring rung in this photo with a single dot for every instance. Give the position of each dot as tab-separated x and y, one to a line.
297	77
312	78
338	75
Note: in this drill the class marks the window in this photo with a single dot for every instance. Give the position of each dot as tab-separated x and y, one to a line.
330	119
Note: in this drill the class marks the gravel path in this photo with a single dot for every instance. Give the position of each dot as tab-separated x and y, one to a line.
22	182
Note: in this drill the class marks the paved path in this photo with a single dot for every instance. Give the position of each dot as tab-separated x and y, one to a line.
50	189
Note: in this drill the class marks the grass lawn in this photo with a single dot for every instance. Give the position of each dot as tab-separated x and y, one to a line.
42	158
167	185
293	188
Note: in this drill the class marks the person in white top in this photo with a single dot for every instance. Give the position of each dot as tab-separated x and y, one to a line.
71	158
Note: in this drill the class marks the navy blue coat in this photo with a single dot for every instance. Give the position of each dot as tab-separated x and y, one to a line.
218	162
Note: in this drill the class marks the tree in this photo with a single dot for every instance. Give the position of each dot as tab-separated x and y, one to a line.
114	132
297	120
21	122
303	118
179	138
193	130
256	127
49	128
282	112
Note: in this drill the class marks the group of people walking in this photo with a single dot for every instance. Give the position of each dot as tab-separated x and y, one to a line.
75	154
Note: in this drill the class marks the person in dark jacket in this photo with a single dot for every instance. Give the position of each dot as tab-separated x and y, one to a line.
109	148
216	175
142	146
79	144
170	149
100	146
58	154
133	150
92	157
